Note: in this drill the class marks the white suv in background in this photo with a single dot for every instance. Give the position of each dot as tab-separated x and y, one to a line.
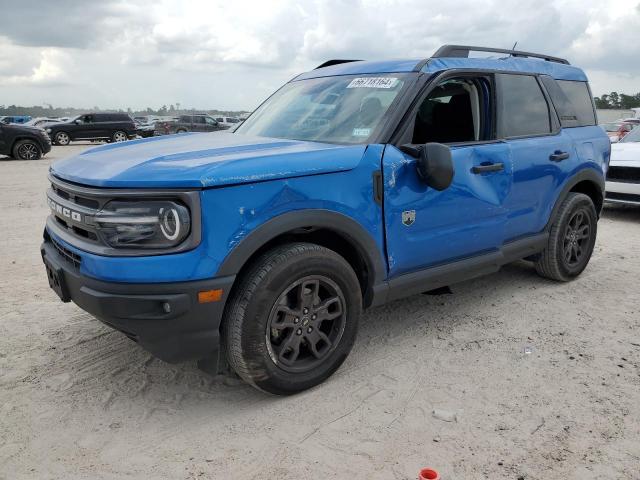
228	122
623	176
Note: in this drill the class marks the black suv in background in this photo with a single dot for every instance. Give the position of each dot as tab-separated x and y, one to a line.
190	123
22	142
113	127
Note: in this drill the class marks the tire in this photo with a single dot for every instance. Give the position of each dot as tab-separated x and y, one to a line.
571	239
27	150
119	136
62	138
181	130
281	340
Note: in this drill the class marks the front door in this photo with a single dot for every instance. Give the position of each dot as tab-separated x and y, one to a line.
426	227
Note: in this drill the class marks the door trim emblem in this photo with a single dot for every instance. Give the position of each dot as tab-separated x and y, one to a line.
408	217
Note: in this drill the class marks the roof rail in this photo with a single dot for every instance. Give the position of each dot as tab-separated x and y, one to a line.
329	63
462	51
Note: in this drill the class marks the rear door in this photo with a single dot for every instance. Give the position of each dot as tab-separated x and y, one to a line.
543	154
199	124
426	227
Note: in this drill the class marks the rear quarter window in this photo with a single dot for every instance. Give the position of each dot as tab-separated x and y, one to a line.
579	96
522	107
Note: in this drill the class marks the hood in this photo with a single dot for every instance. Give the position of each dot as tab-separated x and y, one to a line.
627	153
22	127
203	160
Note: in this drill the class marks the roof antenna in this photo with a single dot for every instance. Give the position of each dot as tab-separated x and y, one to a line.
514	46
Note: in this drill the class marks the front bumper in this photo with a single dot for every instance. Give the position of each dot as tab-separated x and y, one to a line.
623	192
164	318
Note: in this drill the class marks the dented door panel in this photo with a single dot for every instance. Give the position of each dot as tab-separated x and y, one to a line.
463	220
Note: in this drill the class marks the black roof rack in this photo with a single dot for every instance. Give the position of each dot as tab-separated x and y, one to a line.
462	51
328	63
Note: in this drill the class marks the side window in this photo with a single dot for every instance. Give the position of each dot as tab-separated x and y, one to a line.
563	106
210	121
456	110
580	97
522	107
198	119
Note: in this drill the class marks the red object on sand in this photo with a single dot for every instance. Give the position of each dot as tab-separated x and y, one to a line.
428	474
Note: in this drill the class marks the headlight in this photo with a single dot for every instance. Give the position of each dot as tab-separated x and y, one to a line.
143	224
48	130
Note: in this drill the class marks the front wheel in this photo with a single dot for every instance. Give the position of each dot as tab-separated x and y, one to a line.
293	318
571	239
27	150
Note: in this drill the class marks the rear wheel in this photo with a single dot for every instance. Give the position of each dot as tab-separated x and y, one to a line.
181	130
62	138
119	136
571	239
293	318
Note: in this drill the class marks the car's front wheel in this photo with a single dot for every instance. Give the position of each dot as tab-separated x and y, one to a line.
293	318
62	138
27	150
571	239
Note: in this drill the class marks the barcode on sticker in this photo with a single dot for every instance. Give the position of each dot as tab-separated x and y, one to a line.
373	82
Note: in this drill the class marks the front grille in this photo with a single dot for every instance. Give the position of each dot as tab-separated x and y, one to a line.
624	174
74	209
67	254
81	203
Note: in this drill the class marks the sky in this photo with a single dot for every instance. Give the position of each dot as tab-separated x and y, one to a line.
231	54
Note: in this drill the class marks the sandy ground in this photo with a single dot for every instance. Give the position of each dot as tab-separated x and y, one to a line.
78	400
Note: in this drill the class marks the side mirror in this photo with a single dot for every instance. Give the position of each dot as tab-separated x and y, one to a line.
433	163
77	122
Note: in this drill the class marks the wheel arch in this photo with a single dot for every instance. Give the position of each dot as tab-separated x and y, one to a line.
332	230
586	181
26	137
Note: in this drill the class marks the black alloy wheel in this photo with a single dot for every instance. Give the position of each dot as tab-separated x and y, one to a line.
306	323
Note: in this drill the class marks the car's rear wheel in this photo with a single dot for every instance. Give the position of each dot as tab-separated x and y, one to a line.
119	136
293	318
181	130
571	239
27	150
62	138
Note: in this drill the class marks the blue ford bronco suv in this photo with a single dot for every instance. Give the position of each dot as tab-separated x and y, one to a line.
355	184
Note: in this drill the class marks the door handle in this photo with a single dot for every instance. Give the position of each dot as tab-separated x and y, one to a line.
492	167
558	156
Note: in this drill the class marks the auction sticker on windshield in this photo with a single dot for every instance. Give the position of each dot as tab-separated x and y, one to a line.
373	82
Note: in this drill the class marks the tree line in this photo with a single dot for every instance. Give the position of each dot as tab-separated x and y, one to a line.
617	100
51	111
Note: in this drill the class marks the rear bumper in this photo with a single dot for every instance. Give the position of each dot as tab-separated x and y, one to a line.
165	318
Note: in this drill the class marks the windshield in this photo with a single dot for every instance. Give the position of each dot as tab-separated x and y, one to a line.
344	109
632	136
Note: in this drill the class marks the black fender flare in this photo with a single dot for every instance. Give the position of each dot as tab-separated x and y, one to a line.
587	174
348	228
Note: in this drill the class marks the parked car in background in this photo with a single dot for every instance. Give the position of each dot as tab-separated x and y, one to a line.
356	184
145	129
15	119
42	121
228	122
623	176
23	142
617	130
189	123
113	127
